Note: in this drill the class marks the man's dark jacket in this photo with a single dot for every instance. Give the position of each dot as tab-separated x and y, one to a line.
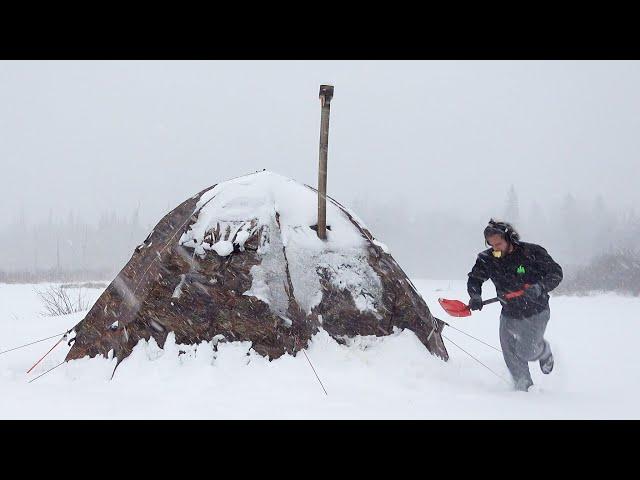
527	263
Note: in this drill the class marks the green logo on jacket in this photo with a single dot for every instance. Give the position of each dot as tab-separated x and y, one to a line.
520	270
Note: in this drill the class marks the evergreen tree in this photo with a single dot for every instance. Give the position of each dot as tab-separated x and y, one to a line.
512	209
603	225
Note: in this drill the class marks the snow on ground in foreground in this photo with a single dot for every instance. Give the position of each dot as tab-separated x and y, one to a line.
594	339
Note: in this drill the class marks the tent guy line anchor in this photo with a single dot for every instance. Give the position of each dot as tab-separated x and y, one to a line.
32	343
496	374
314	371
468	335
64	337
295	343
43	374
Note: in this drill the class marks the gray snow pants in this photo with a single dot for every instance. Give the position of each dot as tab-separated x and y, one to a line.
522	341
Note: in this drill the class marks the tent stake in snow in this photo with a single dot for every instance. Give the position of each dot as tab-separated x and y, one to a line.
326	94
64	337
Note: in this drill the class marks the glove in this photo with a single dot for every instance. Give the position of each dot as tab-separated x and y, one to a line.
475	303
533	292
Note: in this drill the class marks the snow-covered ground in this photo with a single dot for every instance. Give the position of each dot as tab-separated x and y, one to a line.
595	341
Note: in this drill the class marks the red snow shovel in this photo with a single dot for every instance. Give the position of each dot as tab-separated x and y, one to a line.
456	308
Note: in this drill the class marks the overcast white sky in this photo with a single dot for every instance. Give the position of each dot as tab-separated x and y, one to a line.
89	136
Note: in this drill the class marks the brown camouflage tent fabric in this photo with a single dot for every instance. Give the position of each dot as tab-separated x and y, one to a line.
205	294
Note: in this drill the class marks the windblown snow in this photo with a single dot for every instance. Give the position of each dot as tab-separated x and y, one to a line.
285	210
388	377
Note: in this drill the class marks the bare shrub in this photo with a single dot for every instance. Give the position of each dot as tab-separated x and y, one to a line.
57	301
617	271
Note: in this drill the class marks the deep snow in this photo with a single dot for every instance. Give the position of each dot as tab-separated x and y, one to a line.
594	340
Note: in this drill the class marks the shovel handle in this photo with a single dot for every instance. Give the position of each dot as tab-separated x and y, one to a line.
491	300
508	296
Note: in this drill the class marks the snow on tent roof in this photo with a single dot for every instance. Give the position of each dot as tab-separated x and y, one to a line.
241	261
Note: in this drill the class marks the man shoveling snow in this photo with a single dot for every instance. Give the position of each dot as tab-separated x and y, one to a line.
515	266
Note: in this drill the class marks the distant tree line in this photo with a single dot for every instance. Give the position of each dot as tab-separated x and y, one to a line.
610	272
68	250
597	246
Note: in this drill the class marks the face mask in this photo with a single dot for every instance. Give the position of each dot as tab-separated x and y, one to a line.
497	253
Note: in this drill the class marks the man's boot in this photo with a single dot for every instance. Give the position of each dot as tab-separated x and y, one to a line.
546	360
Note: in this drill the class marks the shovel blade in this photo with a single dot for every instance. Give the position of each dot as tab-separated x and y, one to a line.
455	308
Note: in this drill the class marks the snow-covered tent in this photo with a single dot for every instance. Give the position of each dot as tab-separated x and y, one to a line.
242	261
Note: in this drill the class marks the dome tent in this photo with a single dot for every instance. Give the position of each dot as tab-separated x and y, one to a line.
241	261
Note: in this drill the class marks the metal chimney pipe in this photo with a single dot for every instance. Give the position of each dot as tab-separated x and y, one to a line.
326	94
